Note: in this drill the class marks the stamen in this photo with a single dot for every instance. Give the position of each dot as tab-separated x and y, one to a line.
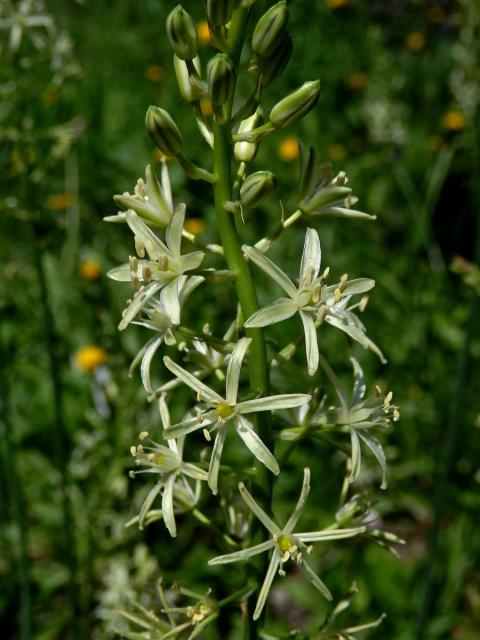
134	279
362	305
206	435
139	248
322	314
133	262
146	273
143	435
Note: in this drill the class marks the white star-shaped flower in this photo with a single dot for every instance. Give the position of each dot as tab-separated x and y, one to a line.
218	413
162	269
174	472
286	544
310	298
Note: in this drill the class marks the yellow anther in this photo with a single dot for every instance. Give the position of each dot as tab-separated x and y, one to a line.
362	305
146	273
134	278
139	248
143	435
317	289
322	314
206	435
133	451
133	262
131	474
325	273
338	294
343	283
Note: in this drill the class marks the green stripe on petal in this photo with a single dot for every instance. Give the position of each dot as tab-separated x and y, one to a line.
255	444
270	403
280	310
271	269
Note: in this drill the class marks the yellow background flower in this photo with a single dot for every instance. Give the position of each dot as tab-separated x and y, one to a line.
89	358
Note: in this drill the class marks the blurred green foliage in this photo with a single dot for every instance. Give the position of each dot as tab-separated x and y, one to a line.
399	112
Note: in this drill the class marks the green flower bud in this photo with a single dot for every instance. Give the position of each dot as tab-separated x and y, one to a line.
163	131
190	92
219	12
270	29
324	197
273	65
255	187
182	33
295	105
245	151
221	78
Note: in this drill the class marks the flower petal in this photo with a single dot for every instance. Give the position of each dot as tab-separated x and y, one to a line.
311	258
234	366
244	554
270	403
140	299
310	574
191	261
194	472
192	382
147	503
256	446
267	584
297	512
376	448
267	522
173	235
150	351
337	385
271	269
152	243
167	506
353	287
171	302
311	344
214	468
356	456
281	309
327	535
359	386
186	426
347	327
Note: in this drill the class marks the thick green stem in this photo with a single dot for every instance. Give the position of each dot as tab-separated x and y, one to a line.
234	256
245	288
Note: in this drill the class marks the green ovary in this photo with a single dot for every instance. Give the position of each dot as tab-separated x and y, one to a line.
224	410
285	543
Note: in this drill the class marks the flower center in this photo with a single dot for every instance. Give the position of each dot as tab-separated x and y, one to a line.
224	410
285	543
